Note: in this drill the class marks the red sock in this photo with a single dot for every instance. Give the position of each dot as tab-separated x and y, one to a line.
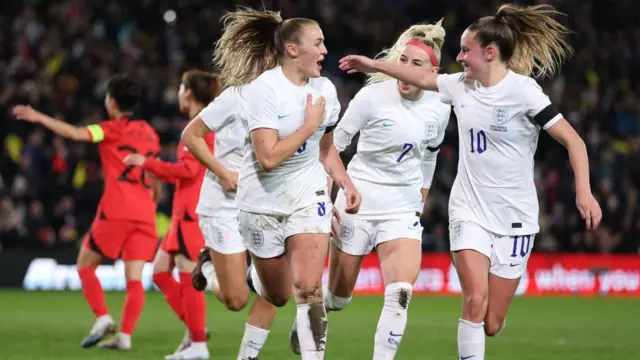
172	292
194	307
133	304
92	290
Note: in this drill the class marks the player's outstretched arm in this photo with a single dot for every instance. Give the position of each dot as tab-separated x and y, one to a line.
588	206
193	138
409	74
184	169
334	167
72	132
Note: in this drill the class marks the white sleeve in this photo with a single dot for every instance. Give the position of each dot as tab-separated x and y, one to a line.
261	108
220	110
353	120
450	87
333	105
430	157
538	105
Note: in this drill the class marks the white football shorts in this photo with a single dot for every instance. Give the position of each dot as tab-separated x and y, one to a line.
360	236
508	254
265	235
221	233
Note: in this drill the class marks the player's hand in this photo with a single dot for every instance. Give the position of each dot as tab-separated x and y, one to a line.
357	63
335	226
135	159
589	209
230	182
314	112
27	113
353	200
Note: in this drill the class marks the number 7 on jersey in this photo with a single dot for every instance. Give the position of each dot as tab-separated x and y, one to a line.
407	147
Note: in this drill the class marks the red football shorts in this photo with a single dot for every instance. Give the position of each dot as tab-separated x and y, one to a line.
123	239
184	237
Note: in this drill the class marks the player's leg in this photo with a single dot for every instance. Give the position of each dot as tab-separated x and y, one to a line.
471	251
345	258
400	261
257	328
88	261
139	247
307	254
163	265
103	240
194	307
511	258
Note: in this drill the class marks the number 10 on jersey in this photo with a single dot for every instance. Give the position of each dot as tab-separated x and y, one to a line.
478	141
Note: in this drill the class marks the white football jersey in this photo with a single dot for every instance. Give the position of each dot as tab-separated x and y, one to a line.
274	102
222	116
397	148
498	130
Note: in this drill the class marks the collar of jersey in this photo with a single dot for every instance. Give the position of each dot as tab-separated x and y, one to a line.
495	88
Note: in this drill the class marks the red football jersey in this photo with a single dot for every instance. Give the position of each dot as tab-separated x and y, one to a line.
187	173
127	190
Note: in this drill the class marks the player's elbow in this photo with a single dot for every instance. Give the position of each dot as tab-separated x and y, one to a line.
268	163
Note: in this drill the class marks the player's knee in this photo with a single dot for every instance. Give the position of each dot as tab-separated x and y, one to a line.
493	327
475	302
278	300
398	295
308	293
235	302
333	302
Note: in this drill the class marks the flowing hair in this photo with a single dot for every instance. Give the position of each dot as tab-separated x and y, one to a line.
531	41
253	42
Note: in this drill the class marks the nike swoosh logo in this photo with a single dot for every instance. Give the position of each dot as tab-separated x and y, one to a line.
392	334
283	116
466	357
387	124
513	265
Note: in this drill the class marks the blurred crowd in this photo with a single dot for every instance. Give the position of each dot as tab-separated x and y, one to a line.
58	55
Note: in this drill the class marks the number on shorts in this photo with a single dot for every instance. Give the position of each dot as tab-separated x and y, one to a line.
322	210
127	175
407	147
302	148
525	244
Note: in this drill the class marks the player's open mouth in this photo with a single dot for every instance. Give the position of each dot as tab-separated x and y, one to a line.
319	63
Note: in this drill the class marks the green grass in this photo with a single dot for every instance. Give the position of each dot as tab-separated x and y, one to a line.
48	325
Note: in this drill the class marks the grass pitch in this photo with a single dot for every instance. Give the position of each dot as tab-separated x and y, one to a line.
50	325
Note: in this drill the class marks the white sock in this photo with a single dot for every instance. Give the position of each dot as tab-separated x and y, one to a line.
124	339
470	340
104	320
209	273
252	342
393	320
255	279
312	339
333	302
200	346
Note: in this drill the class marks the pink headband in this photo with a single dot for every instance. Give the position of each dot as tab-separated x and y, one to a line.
428	49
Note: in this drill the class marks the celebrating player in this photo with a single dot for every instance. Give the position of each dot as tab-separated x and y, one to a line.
223	264
401	127
282	193
493	208
184	240
124	225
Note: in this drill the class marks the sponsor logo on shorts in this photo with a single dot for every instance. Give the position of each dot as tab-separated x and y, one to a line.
257	238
